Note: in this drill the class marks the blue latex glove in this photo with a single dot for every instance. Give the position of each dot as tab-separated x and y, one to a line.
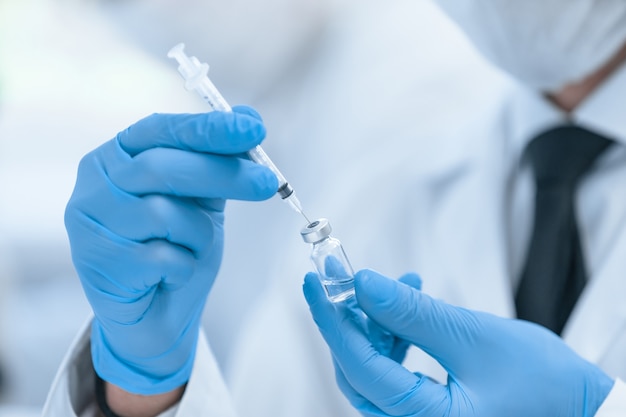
145	224
497	367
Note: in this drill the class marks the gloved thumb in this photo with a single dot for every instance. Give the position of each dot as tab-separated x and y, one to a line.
436	327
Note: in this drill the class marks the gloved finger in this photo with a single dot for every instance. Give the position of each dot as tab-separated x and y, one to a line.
399	349
385	342
382	381
121	276
434	326
181	221
192	174
360	403
411	279
248	111
217	132
401	346
334	268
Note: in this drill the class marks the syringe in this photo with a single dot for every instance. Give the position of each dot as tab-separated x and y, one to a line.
196	78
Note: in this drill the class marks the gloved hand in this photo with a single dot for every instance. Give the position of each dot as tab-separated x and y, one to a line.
497	367
145	224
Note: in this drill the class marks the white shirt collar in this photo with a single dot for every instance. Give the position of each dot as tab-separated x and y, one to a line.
602	112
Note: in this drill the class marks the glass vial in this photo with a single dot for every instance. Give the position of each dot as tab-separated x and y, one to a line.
330	260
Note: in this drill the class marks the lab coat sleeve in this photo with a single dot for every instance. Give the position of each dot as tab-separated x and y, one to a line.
615	403
72	391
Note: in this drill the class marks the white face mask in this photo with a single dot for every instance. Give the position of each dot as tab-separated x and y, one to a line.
248	44
546	44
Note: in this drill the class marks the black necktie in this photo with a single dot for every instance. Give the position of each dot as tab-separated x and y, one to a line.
554	274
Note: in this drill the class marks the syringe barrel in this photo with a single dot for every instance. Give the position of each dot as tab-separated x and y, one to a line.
207	90
196	78
258	155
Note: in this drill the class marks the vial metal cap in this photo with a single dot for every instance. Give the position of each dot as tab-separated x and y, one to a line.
316	231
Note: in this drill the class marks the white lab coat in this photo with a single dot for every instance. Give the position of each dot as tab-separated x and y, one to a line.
397	169
458	212
453	205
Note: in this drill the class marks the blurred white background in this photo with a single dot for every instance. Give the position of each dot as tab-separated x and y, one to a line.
73	73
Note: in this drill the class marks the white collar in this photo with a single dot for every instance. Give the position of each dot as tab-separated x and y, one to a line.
601	112
604	110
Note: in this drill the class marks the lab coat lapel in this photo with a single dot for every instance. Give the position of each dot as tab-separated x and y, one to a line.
482	245
458	240
467	233
589	331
